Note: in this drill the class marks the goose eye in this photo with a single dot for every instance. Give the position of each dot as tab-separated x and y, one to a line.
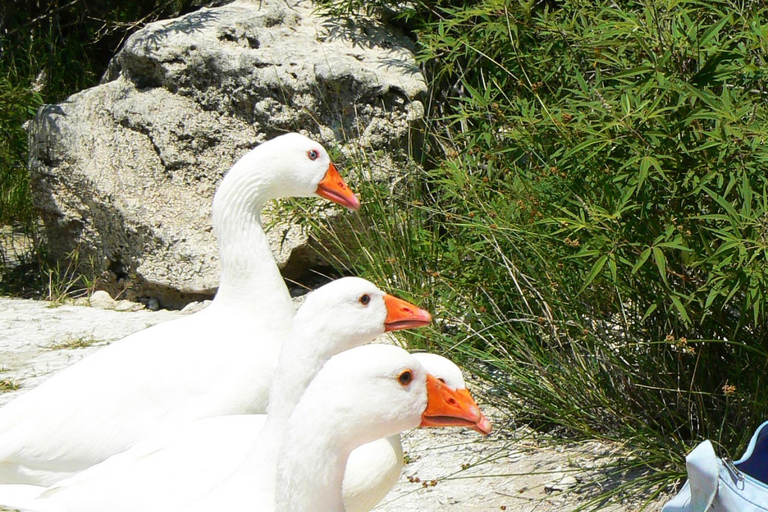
405	378
365	299
313	154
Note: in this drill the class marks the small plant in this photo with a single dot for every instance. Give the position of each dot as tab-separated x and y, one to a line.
7	384
74	342
70	282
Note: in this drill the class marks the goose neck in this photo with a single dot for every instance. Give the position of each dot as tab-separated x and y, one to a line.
302	355
311	467
249	278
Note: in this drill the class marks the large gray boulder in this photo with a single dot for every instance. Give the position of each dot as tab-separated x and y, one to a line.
124	173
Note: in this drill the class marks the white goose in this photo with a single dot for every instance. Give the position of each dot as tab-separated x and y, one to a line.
360	395
218	361
229	462
374	468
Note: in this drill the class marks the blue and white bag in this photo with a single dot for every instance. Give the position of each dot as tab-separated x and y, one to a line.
717	485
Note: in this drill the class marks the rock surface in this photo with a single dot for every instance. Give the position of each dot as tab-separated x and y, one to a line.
40	338
124	173
448	470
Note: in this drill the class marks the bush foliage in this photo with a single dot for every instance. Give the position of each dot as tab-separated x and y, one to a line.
596	213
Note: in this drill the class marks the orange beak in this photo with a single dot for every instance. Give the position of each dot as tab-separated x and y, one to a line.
449	408
403	315
333	188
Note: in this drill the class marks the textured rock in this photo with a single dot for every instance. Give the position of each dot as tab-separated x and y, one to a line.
124	173
38	339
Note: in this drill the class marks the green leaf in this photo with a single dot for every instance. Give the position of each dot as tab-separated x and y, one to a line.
643	258
645	164
724	203
674	244
713	294
681	309
637	70
713	30
595	271
746	197
612	267
661	263
649	311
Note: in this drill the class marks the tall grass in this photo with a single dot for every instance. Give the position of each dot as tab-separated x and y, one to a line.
594	215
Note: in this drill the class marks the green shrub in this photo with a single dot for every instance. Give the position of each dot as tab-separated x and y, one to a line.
17	104
598	214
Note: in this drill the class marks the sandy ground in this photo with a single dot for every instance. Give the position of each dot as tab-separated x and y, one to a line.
449	470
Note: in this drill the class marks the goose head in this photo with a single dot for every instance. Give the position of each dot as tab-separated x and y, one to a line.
309	171
450	376
352	311
290	165
375	391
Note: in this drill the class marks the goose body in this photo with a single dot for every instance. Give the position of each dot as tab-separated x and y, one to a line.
216	362
229	462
